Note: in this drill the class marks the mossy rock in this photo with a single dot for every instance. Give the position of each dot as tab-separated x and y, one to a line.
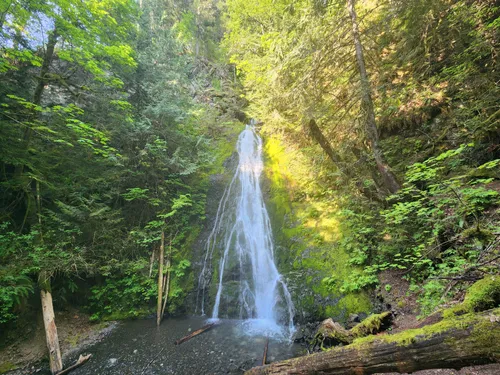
373	324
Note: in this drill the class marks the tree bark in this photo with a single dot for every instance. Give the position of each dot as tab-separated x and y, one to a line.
51	331
44	70
167	285
40	87
317	134
388	177
160	279
455	343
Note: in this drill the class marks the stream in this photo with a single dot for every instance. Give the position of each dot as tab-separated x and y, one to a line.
139	347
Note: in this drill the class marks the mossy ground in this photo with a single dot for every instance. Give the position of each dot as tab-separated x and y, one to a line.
481	331
306	229
6	367
482	295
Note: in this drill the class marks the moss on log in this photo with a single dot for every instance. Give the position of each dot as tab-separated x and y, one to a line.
455	342
331	333
373	324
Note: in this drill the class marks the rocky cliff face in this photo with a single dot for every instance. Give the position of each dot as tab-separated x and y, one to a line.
306	230
217	183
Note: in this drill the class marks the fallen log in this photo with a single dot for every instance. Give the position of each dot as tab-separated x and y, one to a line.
195	333
330	333
455	342
81	360
264	357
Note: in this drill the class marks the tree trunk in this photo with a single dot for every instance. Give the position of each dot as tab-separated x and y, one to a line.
40	87
160	279
317	134
167	285
388	177
453	343
51	331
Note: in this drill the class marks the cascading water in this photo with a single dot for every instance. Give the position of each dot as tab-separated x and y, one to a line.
249	285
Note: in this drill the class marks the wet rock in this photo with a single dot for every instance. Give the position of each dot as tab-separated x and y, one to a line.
246	365
305	332
112	361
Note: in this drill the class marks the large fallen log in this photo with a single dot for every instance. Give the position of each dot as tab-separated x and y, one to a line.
455	342
195	333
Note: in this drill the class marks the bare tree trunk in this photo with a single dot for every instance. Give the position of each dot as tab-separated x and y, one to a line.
40	87
388	177
463	342
50	326
317	134
160	279
167	285
151	261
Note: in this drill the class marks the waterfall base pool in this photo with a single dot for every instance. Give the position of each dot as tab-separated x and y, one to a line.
139	347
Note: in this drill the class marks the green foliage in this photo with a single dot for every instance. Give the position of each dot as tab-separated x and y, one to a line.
13	290
435	228
125	294
108	141
432	205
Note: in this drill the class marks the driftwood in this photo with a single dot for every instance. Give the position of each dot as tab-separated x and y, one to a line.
81	360
152	360
195	333
454	342
264	357
330	333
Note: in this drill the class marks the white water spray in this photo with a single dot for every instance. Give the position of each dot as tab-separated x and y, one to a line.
249	284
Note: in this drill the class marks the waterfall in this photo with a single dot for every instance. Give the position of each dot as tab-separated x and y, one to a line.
249	285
